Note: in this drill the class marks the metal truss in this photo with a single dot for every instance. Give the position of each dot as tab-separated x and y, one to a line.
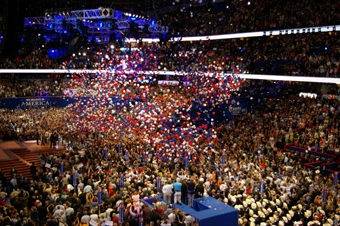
32	21
86	14
123	24
91	18
158	29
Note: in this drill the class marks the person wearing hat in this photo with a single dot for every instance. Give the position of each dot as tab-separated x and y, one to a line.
254	207
262	216
308	216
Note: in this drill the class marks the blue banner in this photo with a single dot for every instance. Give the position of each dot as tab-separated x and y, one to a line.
119	148
335	179
121	181
262	187
74	178
99	196
141	221
121	213
159	182
143	157
127	155
47	102
62	168
105	153
186	162
324	195
36	102
223	159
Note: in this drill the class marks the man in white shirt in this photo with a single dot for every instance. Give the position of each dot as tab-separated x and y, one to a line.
166	223
87	188
188	220
69	211
108	211
167	191
172	217
86	217
94	217
61	207
60	214
223	187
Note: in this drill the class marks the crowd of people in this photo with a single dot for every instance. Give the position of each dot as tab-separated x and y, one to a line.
246	16
15	85
303	55
37	59
253	145
116	119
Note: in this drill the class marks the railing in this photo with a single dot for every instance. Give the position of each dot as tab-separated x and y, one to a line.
242	76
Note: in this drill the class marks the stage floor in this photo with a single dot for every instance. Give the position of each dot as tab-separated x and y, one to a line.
33	147
6	148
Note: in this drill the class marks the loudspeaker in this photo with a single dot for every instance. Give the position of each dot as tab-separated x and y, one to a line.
14	28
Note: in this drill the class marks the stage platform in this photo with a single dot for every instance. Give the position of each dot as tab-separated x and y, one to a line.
7	146
21	154
207	211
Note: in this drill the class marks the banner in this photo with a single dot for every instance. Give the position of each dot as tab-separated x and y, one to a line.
108	223
119	148
262	187
172	83
121	181
99	196
93	223
62	168
36	102
143	157
186	162
237	108
159	182
127	155
141	221
74	178
335	179
105	153
121	213
55	101
324	195
331	97
223	159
